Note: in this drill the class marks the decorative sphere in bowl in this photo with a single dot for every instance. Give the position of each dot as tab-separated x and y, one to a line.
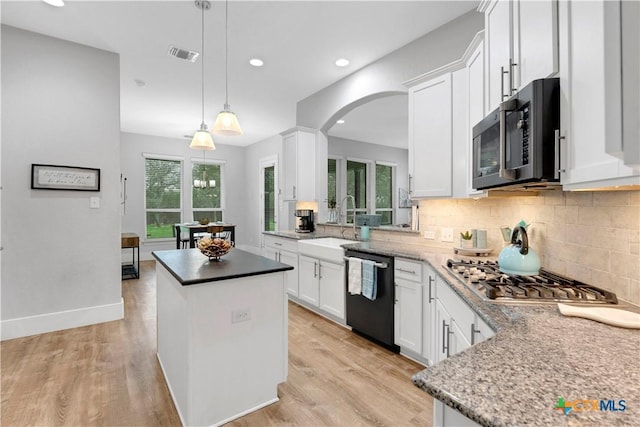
204	221
214	248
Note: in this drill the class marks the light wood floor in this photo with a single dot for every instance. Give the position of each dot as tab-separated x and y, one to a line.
108	375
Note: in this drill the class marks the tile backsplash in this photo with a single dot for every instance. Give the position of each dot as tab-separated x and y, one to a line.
593	237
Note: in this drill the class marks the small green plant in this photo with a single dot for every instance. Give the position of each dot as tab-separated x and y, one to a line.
466	235
332	203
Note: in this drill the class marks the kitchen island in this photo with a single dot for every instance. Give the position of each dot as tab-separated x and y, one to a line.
222	332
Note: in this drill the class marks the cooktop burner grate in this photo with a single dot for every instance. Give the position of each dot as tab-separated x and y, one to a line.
486	279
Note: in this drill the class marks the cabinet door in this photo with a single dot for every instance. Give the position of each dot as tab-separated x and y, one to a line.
445	416
269	252
442	328
589	77
290	166
481	331
290	277
430	142
428	316
476	105
332	288
456	341
498	48
408	315
308	284
537	36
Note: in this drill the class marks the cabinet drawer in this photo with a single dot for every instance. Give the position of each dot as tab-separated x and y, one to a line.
463	315
281	243
408	270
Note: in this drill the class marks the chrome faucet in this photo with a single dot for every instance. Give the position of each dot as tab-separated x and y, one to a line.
353	202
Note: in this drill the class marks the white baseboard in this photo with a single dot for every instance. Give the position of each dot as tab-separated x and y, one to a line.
50	322
248	411
173	396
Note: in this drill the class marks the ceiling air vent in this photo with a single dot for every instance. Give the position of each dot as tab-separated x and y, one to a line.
189	55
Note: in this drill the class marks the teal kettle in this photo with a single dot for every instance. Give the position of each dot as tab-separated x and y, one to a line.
518	258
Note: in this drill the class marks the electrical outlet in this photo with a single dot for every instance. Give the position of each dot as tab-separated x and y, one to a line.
94	202
431	235
241	315
447	234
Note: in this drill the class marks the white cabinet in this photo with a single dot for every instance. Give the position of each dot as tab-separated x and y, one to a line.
299	165
591	99
309	284
408	307
428	315
446	416
332	289
430	138
321	285
285	251
521	45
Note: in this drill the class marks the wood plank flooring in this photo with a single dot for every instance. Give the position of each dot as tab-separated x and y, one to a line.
108	375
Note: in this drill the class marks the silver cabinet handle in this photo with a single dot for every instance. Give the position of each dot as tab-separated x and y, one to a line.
449	333
275	256
505	106
556	166
430	282
294	191
474	331
315	269
410	178
320	270
502	73
444	336
406	271
277	244
512	89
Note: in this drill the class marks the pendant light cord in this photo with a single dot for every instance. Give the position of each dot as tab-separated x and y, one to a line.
226	55
202	6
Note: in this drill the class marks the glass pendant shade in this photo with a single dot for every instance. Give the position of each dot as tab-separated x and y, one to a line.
202	139
227	123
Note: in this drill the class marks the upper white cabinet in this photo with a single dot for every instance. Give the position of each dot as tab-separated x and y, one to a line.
592	97
521	45
476	105
299	160
430	143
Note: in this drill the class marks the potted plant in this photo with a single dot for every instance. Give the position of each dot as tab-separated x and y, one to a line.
465	240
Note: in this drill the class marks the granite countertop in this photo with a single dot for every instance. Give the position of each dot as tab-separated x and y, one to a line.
294	235
392	228
190	266
536	356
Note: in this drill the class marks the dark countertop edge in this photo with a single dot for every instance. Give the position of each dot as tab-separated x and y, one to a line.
219	279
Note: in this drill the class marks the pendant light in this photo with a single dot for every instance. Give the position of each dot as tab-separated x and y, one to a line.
202	139
226	122
204	182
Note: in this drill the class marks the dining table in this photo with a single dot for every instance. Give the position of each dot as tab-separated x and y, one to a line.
202	228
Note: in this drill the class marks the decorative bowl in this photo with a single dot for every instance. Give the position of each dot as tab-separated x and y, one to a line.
204	221
214	248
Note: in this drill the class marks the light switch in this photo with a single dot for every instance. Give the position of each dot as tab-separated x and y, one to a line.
94	202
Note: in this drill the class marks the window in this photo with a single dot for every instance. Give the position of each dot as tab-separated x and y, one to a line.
162	196
384	193
269	193
356	187
207	201
332	184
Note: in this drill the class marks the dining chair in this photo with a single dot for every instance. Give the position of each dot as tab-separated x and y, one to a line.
182	238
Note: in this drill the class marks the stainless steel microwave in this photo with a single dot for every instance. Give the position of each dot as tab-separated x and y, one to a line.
518	142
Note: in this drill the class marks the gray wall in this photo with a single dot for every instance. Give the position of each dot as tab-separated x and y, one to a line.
357	149
61	106
235	191
435	49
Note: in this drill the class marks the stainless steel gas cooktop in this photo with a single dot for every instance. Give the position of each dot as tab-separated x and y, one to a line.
487	281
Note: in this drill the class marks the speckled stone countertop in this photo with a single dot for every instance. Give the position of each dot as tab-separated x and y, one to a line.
294	235
536	356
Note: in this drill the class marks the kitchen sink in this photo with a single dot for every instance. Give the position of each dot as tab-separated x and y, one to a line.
327	248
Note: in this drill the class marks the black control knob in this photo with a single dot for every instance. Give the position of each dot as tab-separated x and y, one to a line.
521	124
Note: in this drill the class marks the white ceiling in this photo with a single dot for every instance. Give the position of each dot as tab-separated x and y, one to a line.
298	40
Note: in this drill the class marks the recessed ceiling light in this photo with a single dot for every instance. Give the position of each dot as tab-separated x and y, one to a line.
340	121
342	62
56	3
256	62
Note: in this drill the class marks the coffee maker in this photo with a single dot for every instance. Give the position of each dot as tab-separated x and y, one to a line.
304	221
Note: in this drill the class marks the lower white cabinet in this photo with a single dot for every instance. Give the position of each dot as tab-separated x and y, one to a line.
408	315
445	416
321	285
428	316
285	251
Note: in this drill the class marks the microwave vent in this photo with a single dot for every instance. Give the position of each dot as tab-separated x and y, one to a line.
188	55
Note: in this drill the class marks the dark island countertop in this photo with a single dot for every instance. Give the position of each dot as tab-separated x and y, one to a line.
190	266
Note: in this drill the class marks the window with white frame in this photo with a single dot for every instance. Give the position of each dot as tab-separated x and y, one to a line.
384	192
357	186
162	196
207	190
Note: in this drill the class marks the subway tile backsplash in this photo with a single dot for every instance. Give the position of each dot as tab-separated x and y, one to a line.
593	237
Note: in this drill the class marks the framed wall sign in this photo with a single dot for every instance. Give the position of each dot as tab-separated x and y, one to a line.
54	177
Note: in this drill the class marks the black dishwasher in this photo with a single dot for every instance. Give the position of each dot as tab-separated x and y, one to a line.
373	319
